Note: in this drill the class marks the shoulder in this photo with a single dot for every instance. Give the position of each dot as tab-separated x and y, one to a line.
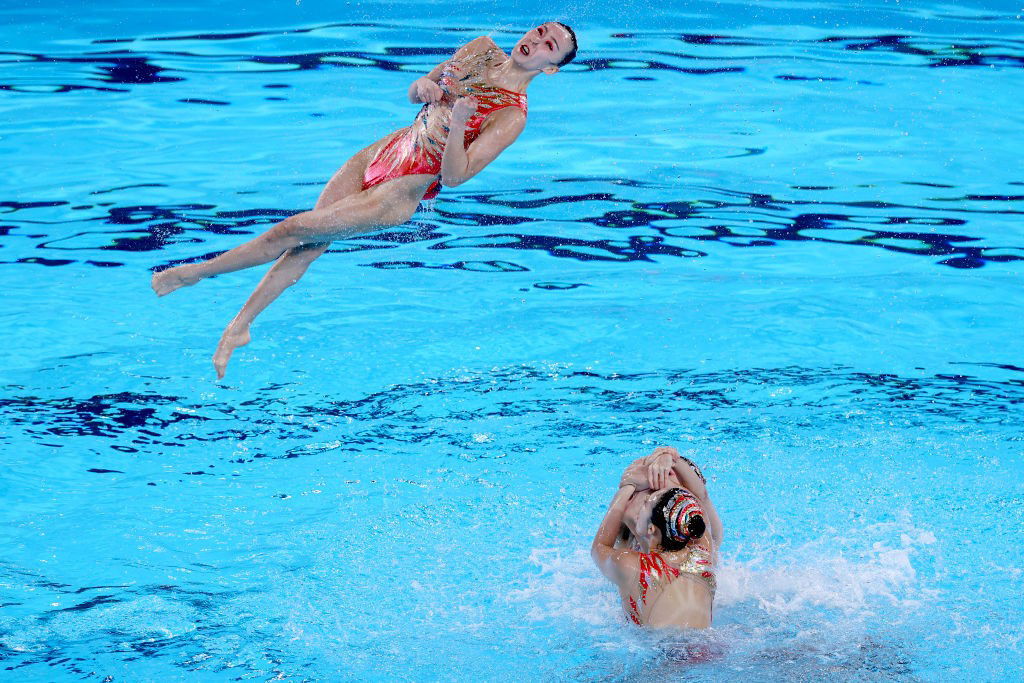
509	118
484	43
476	46
617	564
502	127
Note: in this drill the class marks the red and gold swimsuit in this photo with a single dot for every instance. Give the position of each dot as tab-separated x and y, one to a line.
656	571
419	148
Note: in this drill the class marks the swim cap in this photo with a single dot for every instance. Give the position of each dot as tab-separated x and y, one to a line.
684	518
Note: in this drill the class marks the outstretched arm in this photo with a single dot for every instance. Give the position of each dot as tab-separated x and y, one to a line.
286	272
606	556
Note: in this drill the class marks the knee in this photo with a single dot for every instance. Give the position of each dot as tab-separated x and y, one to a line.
406	213
289	233
398	213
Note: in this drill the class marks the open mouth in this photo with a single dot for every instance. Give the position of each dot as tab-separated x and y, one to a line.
525	50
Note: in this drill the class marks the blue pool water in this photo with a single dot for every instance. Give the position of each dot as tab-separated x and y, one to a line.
782	236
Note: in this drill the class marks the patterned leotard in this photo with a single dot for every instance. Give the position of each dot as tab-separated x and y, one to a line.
420	147
655	571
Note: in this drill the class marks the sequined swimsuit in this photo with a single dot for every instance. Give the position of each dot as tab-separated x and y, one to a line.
656	572
419	148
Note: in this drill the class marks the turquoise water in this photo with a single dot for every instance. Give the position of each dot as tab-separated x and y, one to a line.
784	237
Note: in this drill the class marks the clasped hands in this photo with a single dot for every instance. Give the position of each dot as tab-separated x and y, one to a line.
651	471
427	91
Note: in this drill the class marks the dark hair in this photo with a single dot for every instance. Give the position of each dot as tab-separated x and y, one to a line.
571	54
695	528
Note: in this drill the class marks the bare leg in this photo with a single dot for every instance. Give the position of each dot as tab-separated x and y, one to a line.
266	247
343	209
348	216
285	273
293	264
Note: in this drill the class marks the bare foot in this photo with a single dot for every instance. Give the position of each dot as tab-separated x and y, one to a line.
229	341
166	281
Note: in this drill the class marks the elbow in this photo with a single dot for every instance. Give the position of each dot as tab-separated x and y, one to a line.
458	178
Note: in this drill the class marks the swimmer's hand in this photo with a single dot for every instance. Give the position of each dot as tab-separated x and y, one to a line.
423	90
463	110
635	475
659	468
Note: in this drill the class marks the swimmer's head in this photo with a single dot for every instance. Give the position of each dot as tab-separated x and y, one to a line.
545	48
663	518
570	54
677	518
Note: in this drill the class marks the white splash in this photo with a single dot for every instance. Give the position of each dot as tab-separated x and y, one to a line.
796	582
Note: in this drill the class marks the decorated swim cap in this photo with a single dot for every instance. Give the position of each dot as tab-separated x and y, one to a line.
680	510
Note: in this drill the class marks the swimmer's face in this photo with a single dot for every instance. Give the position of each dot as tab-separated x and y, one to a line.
637	518
542	48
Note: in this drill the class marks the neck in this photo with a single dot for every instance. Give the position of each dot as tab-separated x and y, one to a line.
511	76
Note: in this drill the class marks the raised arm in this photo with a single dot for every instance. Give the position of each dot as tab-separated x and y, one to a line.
693	481
607	557
499	131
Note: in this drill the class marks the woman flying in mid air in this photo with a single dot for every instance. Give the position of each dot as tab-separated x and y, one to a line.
474	106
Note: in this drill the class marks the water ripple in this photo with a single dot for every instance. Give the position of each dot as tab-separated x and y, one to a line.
28	73
405	413
687	227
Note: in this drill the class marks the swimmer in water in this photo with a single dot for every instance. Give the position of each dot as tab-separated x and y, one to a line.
474	106
658	542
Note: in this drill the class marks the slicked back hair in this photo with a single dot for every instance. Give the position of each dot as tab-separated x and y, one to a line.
571	54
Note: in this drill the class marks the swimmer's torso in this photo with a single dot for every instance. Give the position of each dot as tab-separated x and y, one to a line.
464	77
672	588
420	147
